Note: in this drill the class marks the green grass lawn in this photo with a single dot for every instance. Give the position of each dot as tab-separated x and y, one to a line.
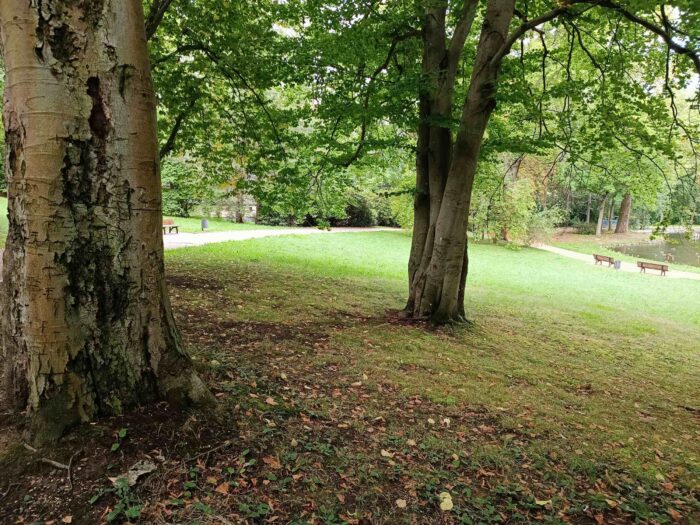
590	378
3	221
572	397
590	245
194	225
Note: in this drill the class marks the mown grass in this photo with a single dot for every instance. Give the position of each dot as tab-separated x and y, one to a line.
572	397
194	225
603	246
600	369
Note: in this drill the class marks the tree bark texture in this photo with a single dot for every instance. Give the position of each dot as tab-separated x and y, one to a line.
611	212
601	216
623	220
446	164
588	209
87	326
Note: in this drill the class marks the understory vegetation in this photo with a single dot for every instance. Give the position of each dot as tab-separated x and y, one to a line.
572	397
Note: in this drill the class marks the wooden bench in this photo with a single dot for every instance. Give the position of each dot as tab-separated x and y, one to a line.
644	266
600	259
169	225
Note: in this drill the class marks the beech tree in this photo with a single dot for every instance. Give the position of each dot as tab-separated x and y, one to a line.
547	67
623	219
87	325
446	162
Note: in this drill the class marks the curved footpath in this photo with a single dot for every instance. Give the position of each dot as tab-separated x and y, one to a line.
625	266
183	240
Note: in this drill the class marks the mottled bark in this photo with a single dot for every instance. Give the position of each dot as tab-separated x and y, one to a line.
623	219
438	276
87	325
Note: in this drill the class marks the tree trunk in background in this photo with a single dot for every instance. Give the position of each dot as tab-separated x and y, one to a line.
438	264
601	215
623	220
588	209
611	209
87	325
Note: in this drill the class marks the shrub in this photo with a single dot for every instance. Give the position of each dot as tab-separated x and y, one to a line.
541	224
584	228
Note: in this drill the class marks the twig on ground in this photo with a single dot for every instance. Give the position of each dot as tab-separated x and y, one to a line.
7	492
206	453
29	447
54	463
70	464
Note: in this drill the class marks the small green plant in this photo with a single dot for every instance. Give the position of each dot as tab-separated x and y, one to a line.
254	510
119	439
126	506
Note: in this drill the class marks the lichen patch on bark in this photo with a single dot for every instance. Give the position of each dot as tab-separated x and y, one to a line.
87	323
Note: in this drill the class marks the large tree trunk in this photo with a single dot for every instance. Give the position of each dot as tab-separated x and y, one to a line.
623	220
601	216
87	326
437	284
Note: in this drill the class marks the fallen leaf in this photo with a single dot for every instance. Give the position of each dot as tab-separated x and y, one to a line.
411	442
222	489
543	502
270	401
675	515
401	503
137	470
386	454
272	462
67	519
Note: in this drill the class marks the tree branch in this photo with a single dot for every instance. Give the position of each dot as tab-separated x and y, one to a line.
524	28
155	16
663	33
169	145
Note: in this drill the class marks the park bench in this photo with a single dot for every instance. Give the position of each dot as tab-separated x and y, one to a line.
169	225
644	266
600	259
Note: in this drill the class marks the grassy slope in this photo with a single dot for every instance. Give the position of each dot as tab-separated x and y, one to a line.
590	244
601	368
573	397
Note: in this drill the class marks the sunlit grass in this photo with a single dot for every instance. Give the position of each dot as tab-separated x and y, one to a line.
590	244
3	221
601	366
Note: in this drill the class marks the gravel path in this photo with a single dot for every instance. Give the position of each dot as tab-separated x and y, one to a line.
625	266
